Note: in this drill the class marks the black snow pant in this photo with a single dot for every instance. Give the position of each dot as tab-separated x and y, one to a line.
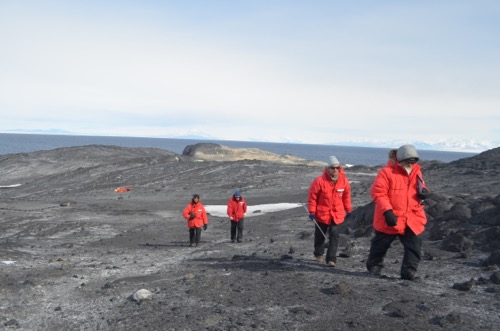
332	232
237	230
412	250
194	235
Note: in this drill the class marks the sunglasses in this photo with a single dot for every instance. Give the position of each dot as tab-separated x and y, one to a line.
411	160
335	168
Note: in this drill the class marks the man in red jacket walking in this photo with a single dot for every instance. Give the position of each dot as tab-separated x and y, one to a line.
329	203
398	192
236	210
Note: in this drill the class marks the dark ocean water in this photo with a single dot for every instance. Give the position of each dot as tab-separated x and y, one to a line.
26	143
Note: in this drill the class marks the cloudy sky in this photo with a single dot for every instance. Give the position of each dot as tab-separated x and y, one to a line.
323	72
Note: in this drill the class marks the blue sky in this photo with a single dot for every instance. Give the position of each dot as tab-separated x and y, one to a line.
324	72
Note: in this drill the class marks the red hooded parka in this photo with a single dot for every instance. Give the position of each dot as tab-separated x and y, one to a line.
395	189
236	209
200	215
329	200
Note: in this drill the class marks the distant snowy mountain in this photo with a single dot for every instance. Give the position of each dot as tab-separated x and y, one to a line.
192	136
47	131
457	146
449	145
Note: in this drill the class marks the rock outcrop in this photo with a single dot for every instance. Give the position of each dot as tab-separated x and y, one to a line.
216	152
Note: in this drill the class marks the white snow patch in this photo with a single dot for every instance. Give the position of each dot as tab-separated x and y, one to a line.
10	186
256	210
7	262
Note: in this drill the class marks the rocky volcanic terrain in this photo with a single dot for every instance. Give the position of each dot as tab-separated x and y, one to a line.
76	255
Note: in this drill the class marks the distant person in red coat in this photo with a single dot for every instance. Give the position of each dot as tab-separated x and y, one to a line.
398	192
196	217
329	203
236	210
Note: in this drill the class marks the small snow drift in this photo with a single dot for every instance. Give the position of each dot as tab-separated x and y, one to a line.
256	210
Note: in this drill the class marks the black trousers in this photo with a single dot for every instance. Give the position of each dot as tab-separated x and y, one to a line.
332	232
237	229
194	235
412	250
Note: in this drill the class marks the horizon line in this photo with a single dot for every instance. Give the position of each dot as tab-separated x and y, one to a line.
383	145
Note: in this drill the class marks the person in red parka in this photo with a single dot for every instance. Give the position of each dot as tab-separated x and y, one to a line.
196	217
236	210
329	203
398	192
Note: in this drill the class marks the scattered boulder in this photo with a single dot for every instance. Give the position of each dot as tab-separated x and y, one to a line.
465	286
142	295
361	221
398	309
457	242
495	277
460	212
449	321
486	239
441	230
342	288
482	205
12	323
486	211
493	259
439	205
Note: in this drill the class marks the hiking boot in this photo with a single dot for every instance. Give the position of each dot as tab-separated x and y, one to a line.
319	259
409	275
375	270
232	240
191	245
331	264
239	240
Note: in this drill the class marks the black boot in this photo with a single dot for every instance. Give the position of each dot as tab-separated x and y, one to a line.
409	274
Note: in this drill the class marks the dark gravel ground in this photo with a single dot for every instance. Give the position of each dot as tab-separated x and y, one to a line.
81	250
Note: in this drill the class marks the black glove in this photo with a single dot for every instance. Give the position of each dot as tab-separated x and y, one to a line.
424	193
205	226
312	217
390	218
347	215
192	216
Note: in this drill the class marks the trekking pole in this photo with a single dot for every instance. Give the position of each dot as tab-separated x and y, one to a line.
315	223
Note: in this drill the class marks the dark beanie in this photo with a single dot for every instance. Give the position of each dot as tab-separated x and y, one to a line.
406	152
196	196
237	193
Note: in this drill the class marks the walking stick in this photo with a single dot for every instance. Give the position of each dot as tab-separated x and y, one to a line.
315	223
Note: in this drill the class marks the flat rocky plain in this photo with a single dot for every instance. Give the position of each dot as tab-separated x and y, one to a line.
76	255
